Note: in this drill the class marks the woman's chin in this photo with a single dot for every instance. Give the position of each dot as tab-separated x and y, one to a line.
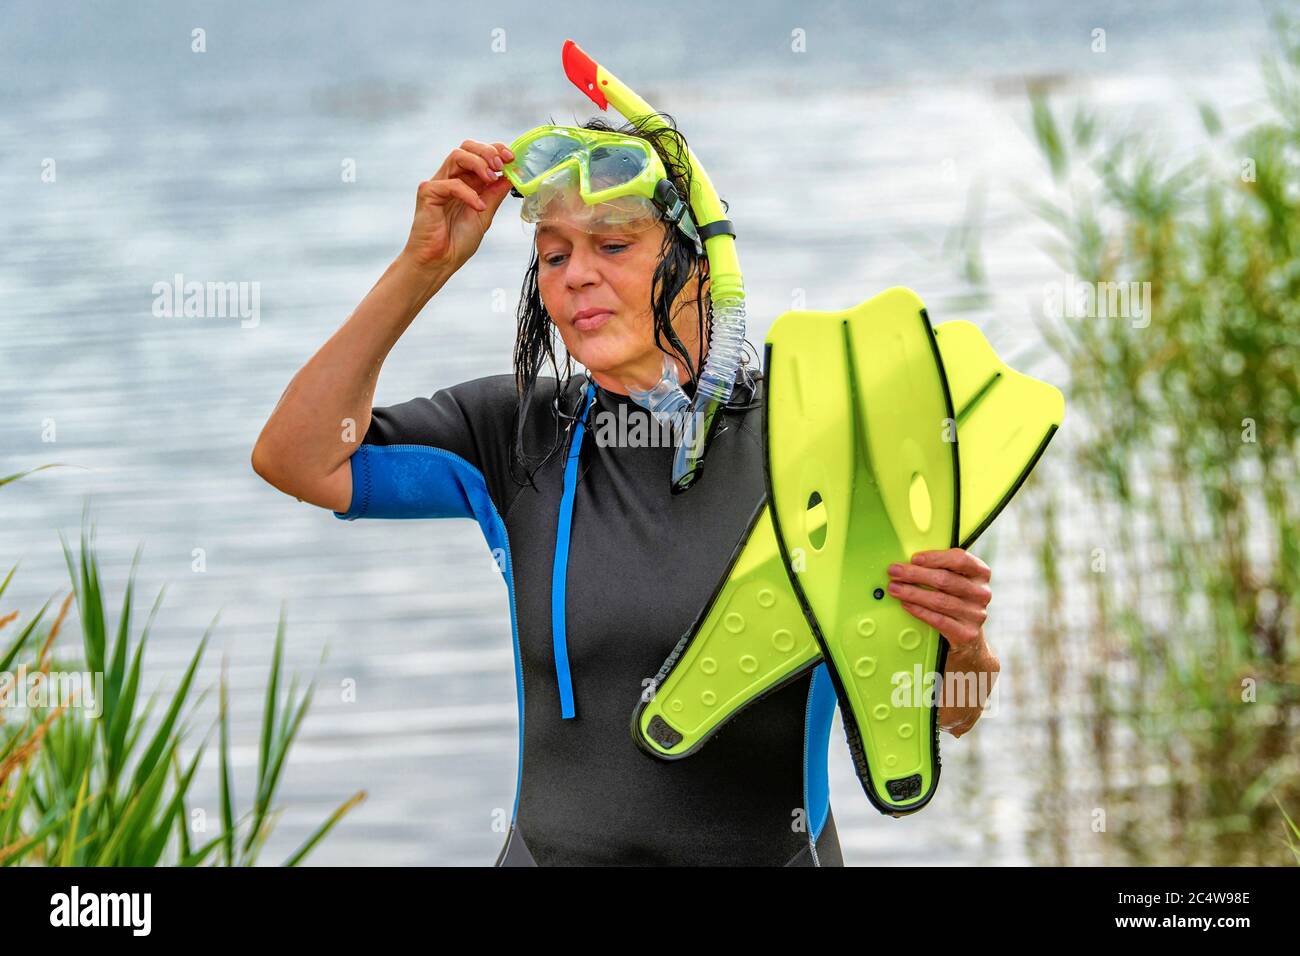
601	357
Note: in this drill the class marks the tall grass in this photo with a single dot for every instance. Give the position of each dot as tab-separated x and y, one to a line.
110	785
1185	647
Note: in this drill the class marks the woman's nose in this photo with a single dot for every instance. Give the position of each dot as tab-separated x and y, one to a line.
581	267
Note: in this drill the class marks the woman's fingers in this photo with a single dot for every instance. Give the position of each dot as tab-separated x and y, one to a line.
494	155
958	609
489	151
959	632
474	162
442	191
975	591
958	560
946	589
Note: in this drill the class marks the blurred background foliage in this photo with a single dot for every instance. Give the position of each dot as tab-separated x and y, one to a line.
1168	650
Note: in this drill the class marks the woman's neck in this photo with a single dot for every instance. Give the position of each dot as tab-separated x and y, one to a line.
647	371
645	377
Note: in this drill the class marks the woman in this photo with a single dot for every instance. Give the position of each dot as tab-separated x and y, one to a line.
637	563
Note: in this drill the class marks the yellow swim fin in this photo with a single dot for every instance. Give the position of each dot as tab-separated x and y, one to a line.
862	410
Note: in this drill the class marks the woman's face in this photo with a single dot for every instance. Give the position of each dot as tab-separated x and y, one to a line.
596	288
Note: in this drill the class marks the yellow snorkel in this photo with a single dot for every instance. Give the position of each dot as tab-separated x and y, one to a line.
726	287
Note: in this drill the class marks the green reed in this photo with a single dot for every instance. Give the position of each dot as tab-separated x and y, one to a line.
109	786
1182	427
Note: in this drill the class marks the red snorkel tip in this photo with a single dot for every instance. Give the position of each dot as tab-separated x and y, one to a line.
581	71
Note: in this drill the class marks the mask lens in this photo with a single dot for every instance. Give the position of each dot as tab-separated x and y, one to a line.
616	166
545	154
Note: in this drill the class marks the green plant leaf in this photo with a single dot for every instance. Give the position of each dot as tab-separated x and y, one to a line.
158	746
6	662
310	843
227	788
31	471
1048	134
155	843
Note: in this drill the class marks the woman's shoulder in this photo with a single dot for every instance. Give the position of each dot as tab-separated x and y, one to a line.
492	390
490	401
497	396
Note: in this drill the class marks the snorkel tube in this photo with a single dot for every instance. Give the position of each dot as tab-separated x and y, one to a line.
699	418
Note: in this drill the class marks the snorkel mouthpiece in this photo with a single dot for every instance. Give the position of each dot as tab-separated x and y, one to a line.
583	72
698	418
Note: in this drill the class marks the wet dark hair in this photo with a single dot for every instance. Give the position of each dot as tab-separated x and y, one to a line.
678	264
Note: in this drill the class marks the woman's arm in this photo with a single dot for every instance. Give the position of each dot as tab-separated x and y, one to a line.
306	443
305	446
971	670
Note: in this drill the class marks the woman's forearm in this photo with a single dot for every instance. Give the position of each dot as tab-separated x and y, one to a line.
969	675
306	443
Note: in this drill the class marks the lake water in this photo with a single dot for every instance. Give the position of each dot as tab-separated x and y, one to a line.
845	167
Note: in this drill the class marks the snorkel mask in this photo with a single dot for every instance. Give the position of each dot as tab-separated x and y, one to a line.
621	181
598	181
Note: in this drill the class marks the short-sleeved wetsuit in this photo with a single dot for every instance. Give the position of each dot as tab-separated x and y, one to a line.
639	565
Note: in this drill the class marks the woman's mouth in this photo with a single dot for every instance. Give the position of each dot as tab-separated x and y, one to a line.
588	320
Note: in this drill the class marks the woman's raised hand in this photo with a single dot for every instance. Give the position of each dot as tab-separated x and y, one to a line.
454	208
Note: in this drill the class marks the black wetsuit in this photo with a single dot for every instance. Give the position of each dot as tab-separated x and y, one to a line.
641	564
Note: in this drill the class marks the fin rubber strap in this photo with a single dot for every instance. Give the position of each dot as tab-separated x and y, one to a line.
560	570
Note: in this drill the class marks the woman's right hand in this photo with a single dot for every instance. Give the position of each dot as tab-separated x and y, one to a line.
454	209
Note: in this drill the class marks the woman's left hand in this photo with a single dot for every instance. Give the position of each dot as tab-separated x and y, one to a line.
949	590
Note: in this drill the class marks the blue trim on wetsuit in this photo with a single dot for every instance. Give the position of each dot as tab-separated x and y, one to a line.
419	481
560	567
415	481
817	738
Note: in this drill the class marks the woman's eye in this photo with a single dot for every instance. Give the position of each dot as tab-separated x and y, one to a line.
608	247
